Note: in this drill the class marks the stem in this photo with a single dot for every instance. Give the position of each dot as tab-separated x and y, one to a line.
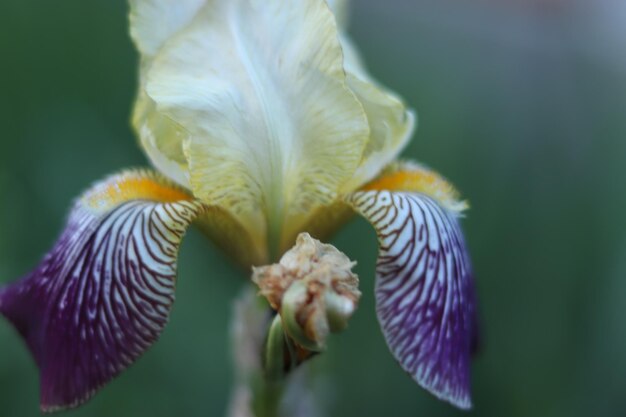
257	393
267	397
267	381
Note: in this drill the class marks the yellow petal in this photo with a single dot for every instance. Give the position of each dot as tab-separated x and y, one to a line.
152	23
322	223
391	127
391	123
260	88
161	139
233	238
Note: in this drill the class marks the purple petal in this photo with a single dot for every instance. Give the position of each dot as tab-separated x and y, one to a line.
103	294
425	296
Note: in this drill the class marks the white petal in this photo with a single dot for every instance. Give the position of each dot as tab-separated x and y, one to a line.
340	9
152	22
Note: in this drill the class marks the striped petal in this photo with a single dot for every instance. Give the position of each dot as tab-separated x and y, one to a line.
103	294
425	297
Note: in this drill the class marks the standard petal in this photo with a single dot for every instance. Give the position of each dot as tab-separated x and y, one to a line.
425	298
340	9
260	87
102	295
391	123
153	22
391	127
161	139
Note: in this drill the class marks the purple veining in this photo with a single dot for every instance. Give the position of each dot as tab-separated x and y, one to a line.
100	298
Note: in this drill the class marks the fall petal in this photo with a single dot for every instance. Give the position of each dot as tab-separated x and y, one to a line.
425	299
101	297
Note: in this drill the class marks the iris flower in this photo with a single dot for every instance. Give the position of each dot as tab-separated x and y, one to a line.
261	123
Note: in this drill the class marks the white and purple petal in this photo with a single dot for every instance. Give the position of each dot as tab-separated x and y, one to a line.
101	297
425	298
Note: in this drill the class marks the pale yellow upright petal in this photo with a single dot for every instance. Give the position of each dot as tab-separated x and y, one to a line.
391	126
161	139
340	10
391	123
261	89
152	22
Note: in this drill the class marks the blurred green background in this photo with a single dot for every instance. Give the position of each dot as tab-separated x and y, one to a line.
522	104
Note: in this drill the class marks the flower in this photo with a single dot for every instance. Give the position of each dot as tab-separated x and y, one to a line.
262	123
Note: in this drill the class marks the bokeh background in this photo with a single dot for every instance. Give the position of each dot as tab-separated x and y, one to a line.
522	104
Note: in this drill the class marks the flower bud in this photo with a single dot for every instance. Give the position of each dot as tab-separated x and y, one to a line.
313	289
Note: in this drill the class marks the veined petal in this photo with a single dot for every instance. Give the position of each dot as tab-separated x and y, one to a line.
260	87
425	299
102	295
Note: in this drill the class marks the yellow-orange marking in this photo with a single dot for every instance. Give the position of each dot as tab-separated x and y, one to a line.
421	181
134	186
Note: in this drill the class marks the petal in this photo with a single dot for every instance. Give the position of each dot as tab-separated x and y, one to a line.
153	22
425	298
391	123
322	224
161	139
340	10
103	294
415	177
391	127
233	238
260	87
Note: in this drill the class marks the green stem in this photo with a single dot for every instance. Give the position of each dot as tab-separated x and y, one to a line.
270	385
259	351
267	397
